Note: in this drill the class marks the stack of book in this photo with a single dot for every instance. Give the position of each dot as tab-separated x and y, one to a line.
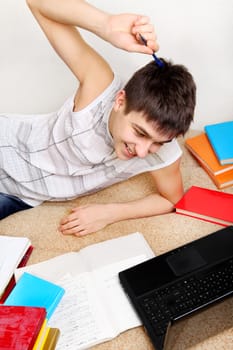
213	149
25	313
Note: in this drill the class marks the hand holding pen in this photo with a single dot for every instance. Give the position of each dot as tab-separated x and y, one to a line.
142	25
129	31
122	31
157	60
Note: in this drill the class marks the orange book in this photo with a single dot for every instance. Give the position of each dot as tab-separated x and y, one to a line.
209	205
201	149
222	180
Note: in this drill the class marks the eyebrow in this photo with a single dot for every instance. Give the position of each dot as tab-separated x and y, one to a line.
142	130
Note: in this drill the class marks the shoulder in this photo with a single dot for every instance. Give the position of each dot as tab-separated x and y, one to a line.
104	99
94	87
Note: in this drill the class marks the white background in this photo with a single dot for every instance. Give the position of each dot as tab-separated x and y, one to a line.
196	33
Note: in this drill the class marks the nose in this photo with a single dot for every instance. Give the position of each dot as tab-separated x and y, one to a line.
145	147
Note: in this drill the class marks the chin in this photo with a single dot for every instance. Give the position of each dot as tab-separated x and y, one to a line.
120	155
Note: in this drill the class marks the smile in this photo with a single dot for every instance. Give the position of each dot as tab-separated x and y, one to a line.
130	153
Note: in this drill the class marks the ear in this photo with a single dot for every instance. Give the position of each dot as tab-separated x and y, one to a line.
119	100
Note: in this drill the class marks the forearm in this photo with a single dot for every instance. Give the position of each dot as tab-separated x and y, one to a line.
72	12
151	205
120	30
91	218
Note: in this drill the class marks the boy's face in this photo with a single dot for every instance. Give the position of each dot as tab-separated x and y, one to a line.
132	134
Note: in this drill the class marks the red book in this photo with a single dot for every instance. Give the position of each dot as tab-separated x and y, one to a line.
20	326
209	205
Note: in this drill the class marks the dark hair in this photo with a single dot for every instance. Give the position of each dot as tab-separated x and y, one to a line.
166	95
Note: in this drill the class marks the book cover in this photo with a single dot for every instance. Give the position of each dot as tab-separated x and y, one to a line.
31	290
202	150
220	137
52	339
20	326
209	205
12	251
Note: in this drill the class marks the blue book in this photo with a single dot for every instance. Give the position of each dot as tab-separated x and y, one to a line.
220	136
31	290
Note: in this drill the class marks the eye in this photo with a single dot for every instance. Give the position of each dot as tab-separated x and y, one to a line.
158	143
139	133
155	147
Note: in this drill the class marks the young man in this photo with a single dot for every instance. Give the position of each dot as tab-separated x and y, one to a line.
103	134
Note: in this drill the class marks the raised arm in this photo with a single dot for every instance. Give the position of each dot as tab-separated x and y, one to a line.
120	29
59	21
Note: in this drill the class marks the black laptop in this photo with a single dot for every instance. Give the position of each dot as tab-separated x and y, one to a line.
174	285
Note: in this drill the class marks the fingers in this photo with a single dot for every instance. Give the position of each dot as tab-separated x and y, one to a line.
85	219
141	20
142	26
73	224
124	29
139	47
70	225
73	228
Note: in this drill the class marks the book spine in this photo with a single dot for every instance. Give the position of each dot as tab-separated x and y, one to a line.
204	219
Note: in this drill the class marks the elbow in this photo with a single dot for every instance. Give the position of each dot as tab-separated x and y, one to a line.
31	3
171	207
168	206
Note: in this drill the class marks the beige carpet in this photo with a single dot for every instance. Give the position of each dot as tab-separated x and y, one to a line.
209	330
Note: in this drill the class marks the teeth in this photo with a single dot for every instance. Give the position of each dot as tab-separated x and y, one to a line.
129	149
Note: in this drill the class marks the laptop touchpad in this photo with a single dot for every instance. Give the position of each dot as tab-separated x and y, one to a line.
185	261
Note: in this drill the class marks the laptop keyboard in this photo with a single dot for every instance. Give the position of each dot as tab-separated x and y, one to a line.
188	295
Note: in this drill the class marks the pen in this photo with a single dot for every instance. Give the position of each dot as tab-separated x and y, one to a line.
157	60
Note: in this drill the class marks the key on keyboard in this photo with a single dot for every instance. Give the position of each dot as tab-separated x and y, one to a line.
188	295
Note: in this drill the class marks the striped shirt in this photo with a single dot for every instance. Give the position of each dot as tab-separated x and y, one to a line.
65	154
